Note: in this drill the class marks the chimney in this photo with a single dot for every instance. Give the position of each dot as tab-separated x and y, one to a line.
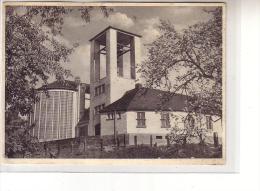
138	86
77	80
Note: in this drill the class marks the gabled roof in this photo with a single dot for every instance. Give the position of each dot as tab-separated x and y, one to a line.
147	99
63	85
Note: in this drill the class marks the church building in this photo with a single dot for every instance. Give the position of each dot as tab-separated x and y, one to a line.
62	111
120	106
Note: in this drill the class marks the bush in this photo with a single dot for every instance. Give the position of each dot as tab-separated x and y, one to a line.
18	141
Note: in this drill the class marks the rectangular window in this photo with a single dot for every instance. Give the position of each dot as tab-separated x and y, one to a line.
110	116
96	91
158	137
165	119
103	88
209	122
98	108
118	115
140	119
99	90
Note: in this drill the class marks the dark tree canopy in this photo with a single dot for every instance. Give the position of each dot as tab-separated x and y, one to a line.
190	60
32	54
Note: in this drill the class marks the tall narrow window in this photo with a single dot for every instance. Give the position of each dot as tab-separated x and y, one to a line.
96	91
141	119
209	122
189	122
103	88
165	119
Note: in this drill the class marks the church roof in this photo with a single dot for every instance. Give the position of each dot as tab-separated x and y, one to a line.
147	99
63	85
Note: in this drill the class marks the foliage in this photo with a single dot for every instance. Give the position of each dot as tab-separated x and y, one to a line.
187	128
18	141
189	61
32	55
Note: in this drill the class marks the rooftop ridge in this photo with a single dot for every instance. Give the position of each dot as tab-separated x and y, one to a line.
146	99
61	84
118	29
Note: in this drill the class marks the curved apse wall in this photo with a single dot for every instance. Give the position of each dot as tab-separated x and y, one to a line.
55	116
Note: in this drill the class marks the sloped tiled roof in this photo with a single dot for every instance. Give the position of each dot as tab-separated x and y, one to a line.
147	99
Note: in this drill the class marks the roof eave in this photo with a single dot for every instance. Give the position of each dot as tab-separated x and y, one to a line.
120	30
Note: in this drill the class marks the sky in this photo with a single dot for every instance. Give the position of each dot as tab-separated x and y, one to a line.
139	20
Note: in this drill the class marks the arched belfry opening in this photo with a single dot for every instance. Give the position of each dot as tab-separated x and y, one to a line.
115	53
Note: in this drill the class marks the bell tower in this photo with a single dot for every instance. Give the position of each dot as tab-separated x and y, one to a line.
114	56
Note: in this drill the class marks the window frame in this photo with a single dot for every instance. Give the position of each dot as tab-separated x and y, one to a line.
110	116
118	115
98	108
140	118
165	123
101	89
159	137
209	122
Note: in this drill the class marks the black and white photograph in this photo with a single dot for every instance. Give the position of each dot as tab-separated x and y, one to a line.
115	81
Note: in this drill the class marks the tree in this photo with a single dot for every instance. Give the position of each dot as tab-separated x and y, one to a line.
189	61
18	141
32	55
187	127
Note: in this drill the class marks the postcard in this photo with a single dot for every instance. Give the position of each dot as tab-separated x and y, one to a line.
114	83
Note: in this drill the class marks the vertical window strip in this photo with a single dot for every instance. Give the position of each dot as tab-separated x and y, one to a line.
66	129
34	115
63	109
56	114
58	124
39	117
49	117
71	112
46	119
36	121
43	117
70	115
53	115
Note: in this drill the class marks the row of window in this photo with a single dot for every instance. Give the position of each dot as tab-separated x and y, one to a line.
111	116
165	120
100	90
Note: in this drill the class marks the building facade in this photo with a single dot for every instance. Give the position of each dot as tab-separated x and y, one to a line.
114	56
60	108
141	115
